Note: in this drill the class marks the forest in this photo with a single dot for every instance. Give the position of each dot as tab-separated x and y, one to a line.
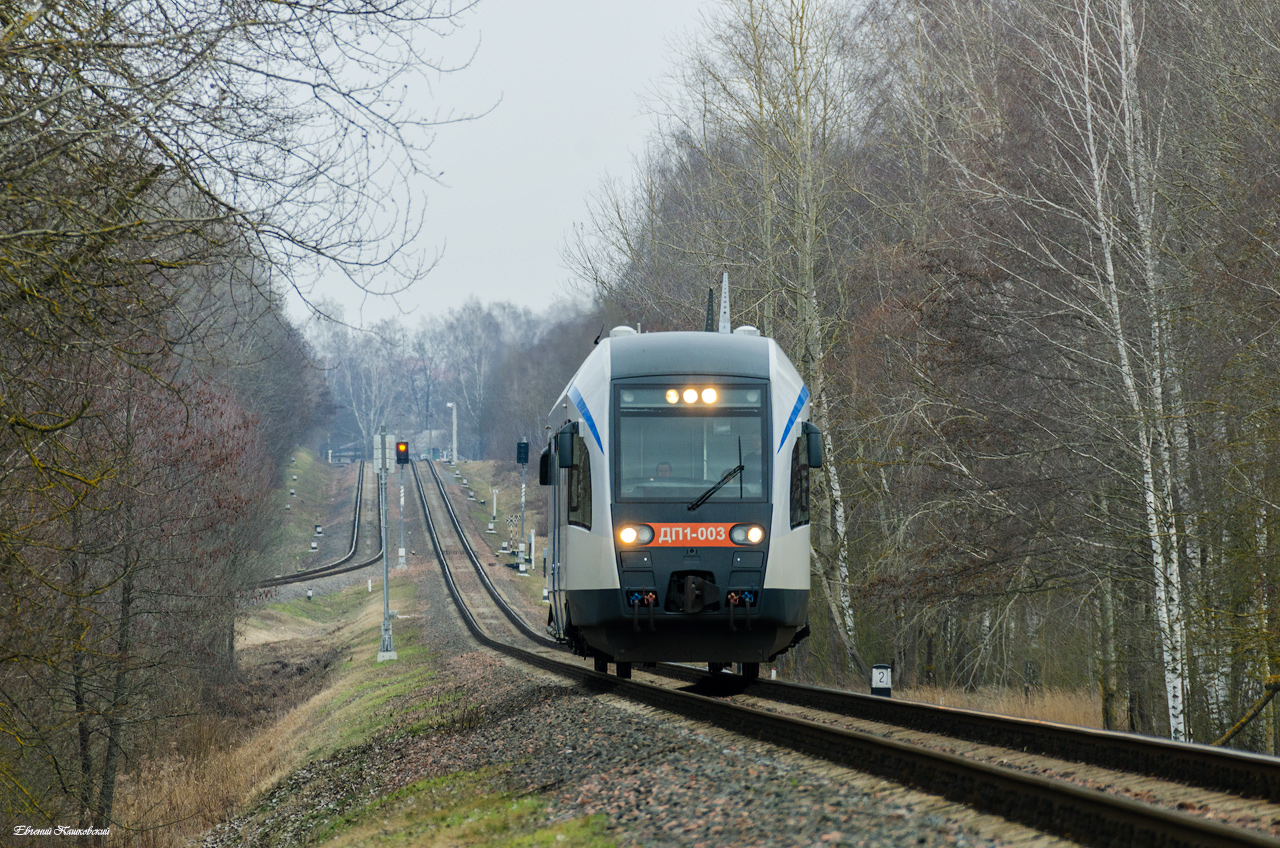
171	175
1025	256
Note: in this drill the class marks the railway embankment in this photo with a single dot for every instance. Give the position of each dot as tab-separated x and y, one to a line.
452	745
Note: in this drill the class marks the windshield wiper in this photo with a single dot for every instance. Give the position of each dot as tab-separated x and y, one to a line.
728	475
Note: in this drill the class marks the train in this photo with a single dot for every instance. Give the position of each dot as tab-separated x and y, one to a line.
677	469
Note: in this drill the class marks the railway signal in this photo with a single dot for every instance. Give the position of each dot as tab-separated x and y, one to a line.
522	457
402	453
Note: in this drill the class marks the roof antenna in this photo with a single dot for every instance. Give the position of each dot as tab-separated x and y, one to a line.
598	335
711	300
724	304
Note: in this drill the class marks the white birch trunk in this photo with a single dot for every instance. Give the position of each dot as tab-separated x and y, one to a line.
1170	608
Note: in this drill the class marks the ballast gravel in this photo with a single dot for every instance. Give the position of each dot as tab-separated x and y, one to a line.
664	782
656	780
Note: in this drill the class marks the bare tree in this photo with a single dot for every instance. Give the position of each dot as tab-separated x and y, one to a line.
365	372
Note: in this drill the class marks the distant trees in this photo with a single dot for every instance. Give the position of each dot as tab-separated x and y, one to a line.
501	365
365	371
534	369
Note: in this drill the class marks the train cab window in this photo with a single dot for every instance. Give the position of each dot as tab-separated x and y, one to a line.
579	485
800	481
675	440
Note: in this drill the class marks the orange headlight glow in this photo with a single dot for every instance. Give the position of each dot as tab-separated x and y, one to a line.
633	534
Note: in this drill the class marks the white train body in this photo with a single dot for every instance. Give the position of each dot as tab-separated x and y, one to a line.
648	559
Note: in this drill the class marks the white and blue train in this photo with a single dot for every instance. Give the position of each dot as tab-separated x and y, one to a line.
678	473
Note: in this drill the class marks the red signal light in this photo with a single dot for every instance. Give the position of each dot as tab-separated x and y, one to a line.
402	453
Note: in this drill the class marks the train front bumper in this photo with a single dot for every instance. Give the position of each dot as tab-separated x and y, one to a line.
704	623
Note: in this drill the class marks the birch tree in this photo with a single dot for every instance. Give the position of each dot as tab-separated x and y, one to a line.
1092	221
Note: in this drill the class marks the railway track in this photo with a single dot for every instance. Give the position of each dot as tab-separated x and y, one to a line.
850	730
338	566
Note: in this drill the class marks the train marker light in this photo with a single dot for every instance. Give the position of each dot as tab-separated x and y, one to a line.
708	395
672	396
746	534
690	395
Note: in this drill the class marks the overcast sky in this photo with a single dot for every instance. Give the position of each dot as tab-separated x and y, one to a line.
571	76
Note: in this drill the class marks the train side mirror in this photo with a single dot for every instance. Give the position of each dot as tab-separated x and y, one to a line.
813	438
544	467
564	447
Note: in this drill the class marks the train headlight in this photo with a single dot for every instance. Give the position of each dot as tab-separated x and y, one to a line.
672	396
746	534
708	395
635	534
690	395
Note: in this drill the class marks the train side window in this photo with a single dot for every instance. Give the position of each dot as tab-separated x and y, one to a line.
800	482
546	471
579	485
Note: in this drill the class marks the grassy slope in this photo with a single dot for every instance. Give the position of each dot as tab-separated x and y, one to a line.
367	705
314	774
289	547
309	772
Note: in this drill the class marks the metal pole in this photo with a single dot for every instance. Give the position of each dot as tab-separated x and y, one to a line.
387	650
382	530
400	560
523	466
453	455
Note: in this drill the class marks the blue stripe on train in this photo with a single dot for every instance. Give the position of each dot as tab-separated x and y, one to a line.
795	413
576	397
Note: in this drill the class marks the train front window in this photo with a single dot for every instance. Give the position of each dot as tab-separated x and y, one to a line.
675	440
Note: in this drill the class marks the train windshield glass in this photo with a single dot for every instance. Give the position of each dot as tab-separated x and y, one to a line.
676	440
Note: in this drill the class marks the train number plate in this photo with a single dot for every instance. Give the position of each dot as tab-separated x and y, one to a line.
690	535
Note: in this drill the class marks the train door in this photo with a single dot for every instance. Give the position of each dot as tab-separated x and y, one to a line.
551	476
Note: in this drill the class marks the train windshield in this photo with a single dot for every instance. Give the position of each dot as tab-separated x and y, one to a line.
676	440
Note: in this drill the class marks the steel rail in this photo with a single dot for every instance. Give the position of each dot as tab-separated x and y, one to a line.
336	567
1205	766
512	615
1085	815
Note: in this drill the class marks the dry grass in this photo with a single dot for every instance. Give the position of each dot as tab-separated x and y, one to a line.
169	800
172	799
1057	705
